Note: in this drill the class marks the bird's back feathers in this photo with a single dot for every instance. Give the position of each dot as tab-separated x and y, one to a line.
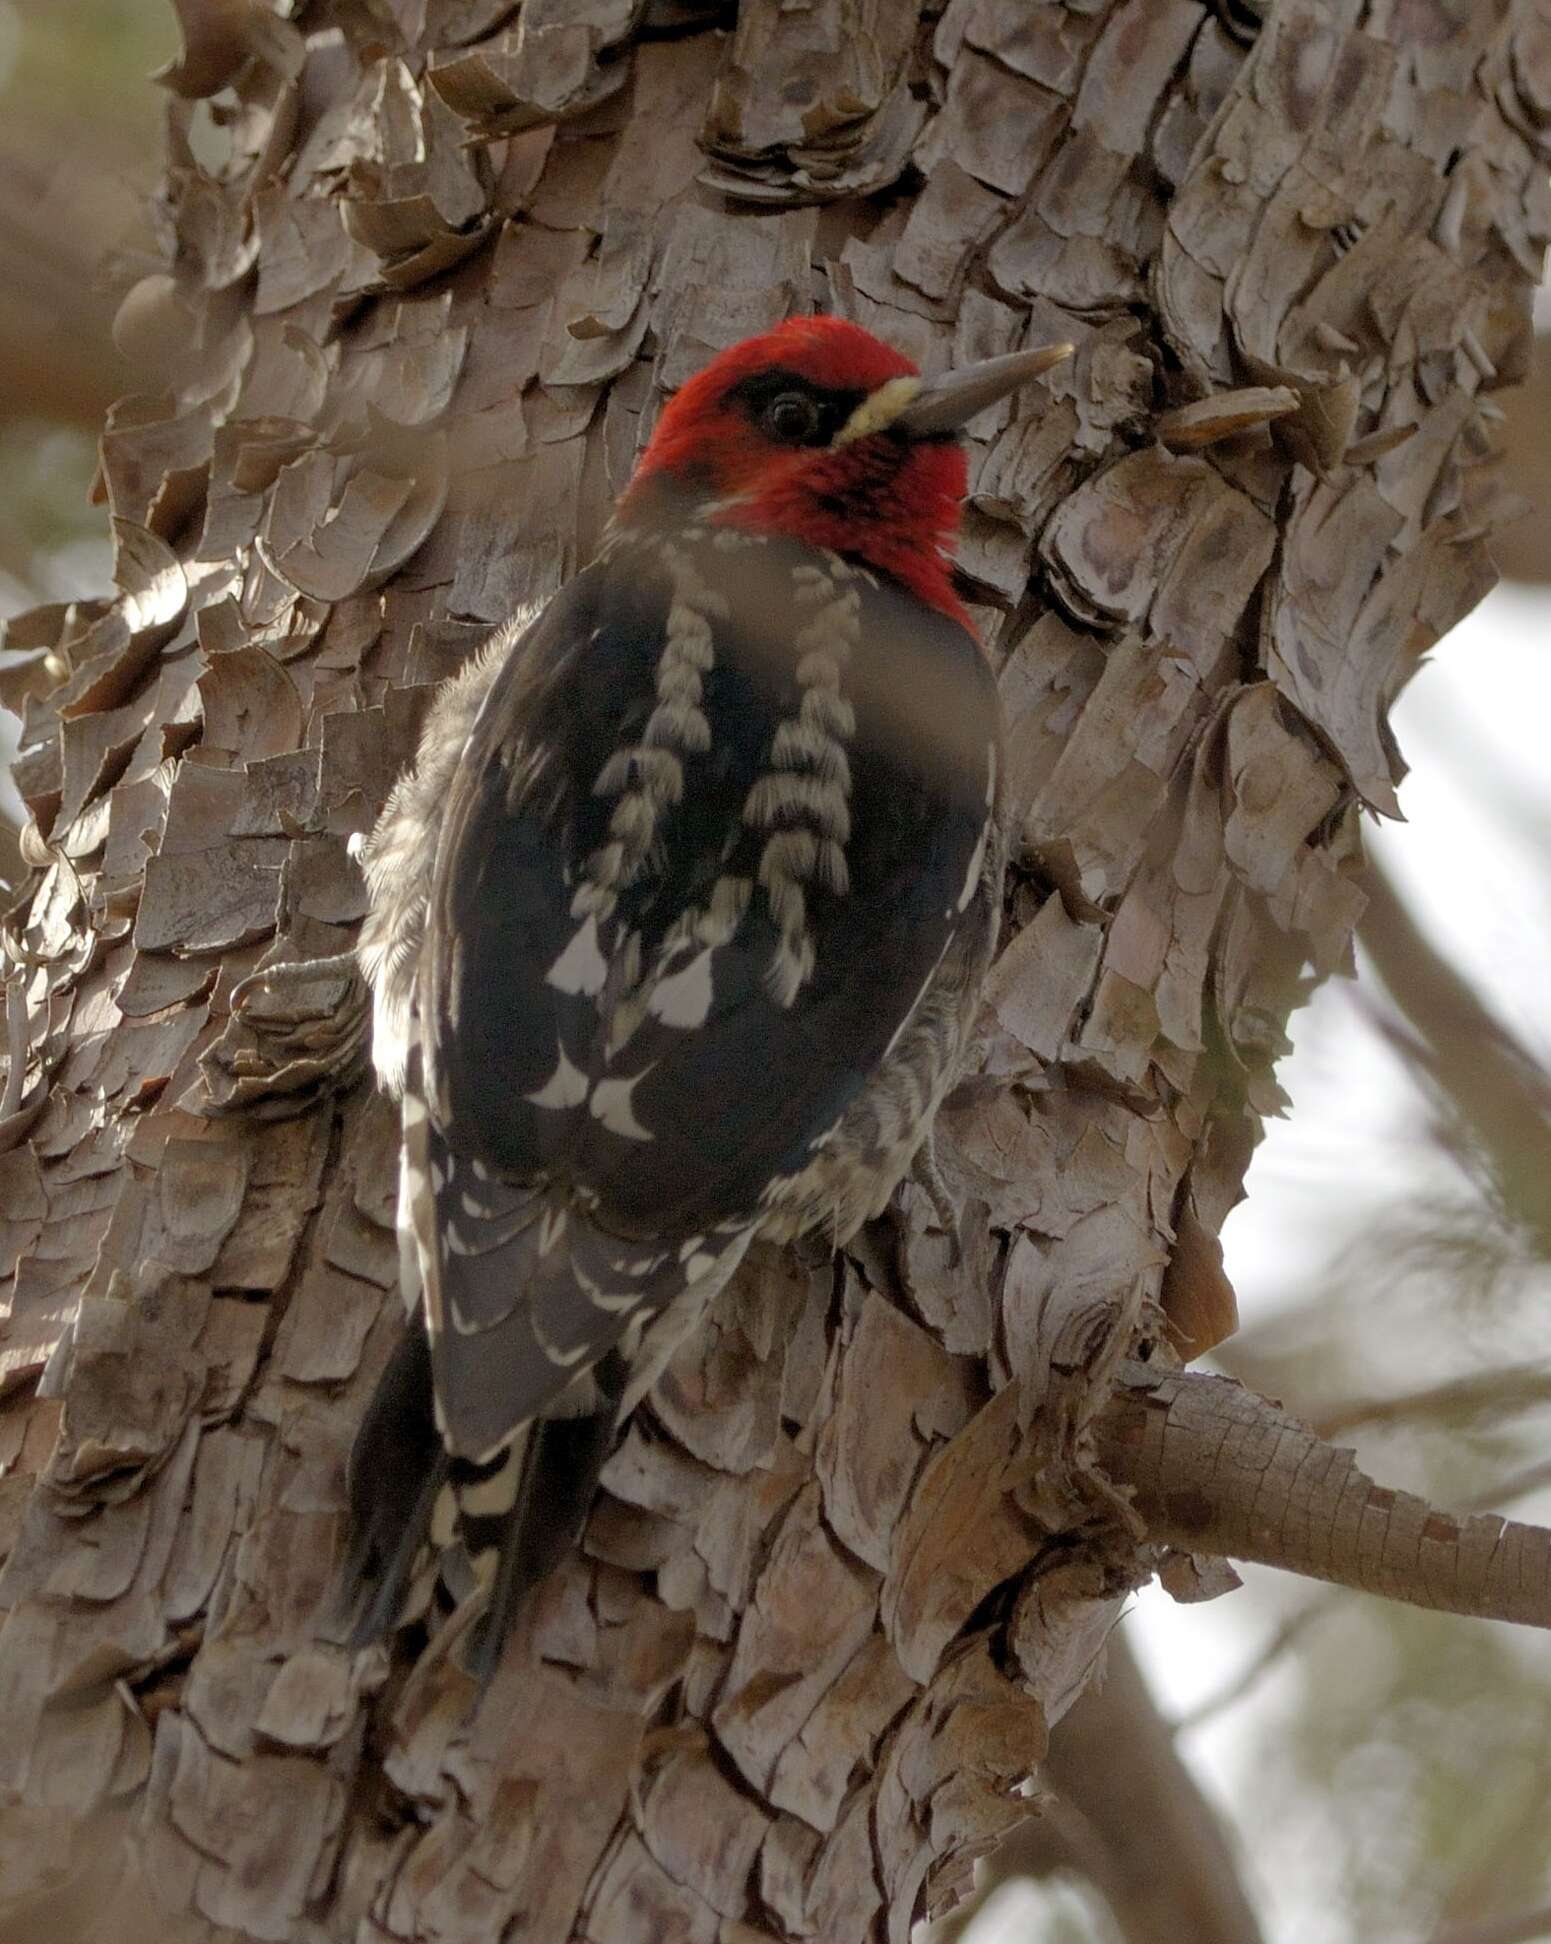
721	818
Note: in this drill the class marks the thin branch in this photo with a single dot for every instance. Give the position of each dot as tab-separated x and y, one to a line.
1293	1628
1516	1485
1496	1087
1516	1389
1216	1469
1169	1872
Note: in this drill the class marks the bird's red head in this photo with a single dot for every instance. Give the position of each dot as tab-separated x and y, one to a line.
799	432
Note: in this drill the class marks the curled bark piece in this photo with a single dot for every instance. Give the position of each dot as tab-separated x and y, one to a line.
219	37
523	79
297	1033
1197	1297
1225	415
1378	445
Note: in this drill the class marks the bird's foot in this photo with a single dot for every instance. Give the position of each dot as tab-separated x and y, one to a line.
926	1172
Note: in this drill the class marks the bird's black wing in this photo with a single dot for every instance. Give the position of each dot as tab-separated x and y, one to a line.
717	823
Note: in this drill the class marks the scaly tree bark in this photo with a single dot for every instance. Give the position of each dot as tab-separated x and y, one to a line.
865	1545
1125	1812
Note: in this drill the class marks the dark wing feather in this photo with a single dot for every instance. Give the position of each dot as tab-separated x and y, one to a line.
523	1294
398	1466
676	1131
511	1518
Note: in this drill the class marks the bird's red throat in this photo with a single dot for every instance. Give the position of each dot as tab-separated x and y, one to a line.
894	504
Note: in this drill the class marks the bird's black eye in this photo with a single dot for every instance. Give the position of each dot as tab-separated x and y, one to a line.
792	417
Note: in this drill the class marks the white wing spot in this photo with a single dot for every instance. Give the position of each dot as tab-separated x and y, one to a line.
698	1265
684	1000
553	1352
611	1104
552	1226
581	967
613	1302
565	1087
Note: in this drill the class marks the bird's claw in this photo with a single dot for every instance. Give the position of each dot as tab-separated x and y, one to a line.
926	1172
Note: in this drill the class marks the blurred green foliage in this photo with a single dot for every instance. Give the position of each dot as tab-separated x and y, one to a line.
89	59
1419	1759
74	94
49	530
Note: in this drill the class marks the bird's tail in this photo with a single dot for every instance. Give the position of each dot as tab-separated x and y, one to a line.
487	1532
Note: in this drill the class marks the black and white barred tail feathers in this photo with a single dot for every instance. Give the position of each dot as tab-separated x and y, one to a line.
523	1292
487	1530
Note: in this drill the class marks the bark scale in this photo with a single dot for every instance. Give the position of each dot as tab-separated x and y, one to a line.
861	1552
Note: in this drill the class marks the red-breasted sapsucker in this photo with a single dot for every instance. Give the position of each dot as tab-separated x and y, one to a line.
678	925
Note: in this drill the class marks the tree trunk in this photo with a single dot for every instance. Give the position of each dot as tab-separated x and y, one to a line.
860	1553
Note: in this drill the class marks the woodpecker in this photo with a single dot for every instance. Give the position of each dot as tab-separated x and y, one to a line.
677	927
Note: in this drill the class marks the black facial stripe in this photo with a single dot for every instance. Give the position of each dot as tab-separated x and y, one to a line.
833	406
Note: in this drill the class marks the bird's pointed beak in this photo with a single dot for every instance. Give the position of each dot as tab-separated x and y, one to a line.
944	404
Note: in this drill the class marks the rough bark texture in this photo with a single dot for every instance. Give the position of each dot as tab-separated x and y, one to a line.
860	1553
1125	1812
